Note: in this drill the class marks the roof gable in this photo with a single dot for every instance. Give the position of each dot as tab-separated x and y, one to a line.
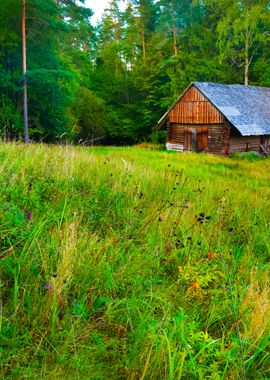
194	108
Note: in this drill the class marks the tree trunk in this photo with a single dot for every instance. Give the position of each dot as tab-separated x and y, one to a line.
247	62
246	71
175	51
25	103
143	44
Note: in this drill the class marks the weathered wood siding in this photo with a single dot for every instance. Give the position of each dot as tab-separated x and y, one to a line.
194	108
195	124
218	139
175	137
212	138
244	144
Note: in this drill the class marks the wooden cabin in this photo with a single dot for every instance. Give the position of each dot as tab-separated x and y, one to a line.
219	119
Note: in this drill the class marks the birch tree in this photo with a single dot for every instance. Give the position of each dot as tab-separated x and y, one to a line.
242	31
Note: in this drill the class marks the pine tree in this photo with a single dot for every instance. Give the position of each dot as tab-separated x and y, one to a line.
25	100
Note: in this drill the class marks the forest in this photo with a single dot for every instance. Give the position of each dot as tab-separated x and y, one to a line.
110	83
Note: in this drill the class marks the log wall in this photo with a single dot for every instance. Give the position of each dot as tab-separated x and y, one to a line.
218	139
216	134
175	134
243	144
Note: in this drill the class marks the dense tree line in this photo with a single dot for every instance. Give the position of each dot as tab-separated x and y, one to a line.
112	82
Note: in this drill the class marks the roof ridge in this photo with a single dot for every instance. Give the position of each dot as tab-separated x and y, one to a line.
230	84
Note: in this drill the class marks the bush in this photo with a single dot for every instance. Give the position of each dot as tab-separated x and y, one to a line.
250	156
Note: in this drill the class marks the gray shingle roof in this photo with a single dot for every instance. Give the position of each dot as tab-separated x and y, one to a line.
246	107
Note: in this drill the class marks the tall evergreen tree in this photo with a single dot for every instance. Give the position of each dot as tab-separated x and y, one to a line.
24	59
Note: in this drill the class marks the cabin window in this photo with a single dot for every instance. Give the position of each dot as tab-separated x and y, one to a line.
247	147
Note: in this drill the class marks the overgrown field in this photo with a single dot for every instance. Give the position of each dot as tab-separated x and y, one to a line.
133	264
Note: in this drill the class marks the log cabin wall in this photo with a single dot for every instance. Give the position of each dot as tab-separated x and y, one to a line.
195	118
239	143
175	137
218	139
245	144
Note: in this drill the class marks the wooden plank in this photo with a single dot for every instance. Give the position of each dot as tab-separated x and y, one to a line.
187	138
202	139
194	108
244	144
193	95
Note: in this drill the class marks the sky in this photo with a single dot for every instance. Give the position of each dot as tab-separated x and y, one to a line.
97	7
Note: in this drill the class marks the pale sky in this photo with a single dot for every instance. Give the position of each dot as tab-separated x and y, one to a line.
98	7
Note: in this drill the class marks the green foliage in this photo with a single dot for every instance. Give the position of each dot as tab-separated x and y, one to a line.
90	113
251	156
132	263
158	137
52	84
243	31
10	119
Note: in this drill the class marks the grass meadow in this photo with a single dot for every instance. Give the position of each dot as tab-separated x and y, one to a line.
130	263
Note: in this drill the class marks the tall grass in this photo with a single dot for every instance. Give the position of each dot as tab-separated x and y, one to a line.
133	264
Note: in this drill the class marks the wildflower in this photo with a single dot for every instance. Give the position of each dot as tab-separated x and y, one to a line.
202	218
211	256
48	287
194	285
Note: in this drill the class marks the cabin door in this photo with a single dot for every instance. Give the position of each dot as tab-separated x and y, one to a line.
202	139
196	139
189	138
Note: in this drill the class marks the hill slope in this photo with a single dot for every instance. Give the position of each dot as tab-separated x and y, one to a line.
133	264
